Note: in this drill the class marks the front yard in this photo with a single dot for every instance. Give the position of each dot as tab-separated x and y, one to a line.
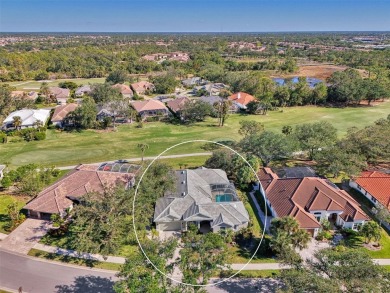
5	200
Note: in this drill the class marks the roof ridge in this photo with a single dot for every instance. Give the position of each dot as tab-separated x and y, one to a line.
231	213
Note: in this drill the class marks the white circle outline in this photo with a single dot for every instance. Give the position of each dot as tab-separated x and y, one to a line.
265	214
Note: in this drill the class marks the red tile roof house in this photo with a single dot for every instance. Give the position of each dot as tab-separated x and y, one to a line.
375	186
124	89
142	87
60	94
177	105
241	100
60	113
150	108
309	200
67	191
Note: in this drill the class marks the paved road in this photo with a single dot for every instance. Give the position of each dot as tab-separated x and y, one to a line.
146	158
41	276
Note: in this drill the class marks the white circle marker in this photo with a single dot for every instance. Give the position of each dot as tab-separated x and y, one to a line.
135	230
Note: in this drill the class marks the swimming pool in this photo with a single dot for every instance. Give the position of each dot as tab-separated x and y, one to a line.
223	198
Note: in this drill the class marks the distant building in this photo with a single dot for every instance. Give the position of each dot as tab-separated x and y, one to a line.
142	87
60	113
177	105
150	108
81	91
29	118
193	81
59	94
125	90
212	89
24	95
241	100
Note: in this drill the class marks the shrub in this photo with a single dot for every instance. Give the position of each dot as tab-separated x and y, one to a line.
349	232
324	235
3	137
40	136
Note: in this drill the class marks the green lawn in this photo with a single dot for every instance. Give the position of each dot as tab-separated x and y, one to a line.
62	148
250	274
35	85
5	200
74	260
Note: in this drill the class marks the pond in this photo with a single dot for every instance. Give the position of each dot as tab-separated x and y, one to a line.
312	81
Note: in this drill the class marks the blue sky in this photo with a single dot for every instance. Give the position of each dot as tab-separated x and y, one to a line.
193	15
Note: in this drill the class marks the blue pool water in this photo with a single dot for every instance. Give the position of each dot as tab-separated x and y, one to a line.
223	198
311	81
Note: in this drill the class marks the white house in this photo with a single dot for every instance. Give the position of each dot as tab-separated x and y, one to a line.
29	118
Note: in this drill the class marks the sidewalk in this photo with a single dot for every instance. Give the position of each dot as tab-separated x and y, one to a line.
266	221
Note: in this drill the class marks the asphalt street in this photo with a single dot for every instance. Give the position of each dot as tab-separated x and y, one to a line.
38	276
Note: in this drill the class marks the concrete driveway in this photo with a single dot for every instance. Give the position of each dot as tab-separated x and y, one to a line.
23	238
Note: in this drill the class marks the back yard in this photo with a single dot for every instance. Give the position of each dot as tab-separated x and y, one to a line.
63	148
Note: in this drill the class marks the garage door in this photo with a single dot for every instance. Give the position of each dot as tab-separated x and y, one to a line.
173	226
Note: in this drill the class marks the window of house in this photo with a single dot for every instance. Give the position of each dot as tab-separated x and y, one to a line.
357	226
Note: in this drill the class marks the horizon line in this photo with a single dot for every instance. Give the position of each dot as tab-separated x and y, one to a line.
197	32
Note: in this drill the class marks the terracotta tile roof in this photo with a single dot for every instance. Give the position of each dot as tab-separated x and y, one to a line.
242	98
55	198
142	86
124	89
59	93
148	105
297	197
177	104
60	112
377	184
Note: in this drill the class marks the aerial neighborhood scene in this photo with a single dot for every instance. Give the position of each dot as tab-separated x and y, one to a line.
179	148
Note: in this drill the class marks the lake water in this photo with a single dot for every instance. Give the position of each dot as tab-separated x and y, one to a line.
311	81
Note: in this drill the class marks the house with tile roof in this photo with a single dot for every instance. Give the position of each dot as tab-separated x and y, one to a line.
150	108
241	100
24	95
203	197
142	87
59	94
375	186
310	200
82	90
60	113
125	90
67	191
176	105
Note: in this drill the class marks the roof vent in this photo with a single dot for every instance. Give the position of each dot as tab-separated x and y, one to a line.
183	193
183	182
183	172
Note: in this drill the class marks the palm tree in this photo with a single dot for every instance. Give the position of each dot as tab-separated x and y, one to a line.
300	239
17	121
286	224
38	124
143	147
45	91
